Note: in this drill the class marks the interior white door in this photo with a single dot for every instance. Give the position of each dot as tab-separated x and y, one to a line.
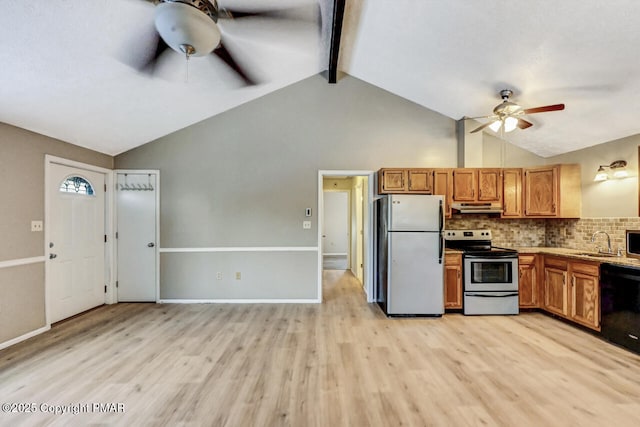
137	241
76	270
336	223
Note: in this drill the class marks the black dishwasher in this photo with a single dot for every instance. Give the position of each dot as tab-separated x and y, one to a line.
620	305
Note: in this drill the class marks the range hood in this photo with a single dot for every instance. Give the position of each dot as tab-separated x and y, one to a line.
465	208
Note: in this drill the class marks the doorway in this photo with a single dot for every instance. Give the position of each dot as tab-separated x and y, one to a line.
137	208
76	212
347	194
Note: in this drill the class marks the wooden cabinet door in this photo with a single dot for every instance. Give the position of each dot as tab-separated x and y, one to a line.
421	180
464	185
528	281
442	187
541	191
555	296
489	185
584	295
512	193
453	281
392	180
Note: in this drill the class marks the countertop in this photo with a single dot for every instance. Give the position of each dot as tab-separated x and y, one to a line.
579	254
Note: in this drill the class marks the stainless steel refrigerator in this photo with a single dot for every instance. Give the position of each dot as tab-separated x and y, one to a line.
410	265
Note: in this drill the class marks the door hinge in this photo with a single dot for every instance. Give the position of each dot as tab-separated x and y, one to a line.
116	234
105	238
105	188
105	289
116	283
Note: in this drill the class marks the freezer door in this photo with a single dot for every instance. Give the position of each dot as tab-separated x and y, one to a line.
414	212
415	275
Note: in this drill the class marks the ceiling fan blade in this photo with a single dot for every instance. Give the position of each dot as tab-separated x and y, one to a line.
298	12
478	129
555	107
523	124
222	52
149	66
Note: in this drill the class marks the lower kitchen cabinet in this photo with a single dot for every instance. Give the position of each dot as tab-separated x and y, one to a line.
572	290
453	281
584	294
528	282
555	281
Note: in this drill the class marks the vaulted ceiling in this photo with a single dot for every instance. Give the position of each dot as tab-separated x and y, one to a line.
65	65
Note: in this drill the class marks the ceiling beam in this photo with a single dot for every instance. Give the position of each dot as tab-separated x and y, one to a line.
336	33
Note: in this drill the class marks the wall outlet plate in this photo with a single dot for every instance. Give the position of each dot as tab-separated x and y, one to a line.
306	225
36	225
219	275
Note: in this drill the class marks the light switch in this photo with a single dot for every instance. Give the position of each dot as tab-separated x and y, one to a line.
307	212
306	225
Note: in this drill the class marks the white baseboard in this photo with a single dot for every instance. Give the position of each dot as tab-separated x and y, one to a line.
239	301
24	337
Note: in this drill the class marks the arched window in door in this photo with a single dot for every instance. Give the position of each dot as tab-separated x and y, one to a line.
77	185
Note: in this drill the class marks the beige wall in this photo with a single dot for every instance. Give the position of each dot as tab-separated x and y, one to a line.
613	198
22	192
497	153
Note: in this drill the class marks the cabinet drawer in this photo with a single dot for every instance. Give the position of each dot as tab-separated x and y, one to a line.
526	258
558	263
591	269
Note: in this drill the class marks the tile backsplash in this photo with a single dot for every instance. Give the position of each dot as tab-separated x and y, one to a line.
565	233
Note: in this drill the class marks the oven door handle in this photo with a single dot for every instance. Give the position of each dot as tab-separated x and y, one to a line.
491	257
490	296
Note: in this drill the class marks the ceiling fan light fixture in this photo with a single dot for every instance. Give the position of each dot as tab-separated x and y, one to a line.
495	126
510	123
181	25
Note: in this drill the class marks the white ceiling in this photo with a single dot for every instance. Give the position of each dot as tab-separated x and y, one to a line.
63	69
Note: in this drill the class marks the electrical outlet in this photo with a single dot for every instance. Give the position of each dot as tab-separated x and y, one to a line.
36	225
238	275
219	275
306	225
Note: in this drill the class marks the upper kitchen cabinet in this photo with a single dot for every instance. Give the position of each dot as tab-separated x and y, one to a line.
477	185
552	191
512	193
442	185
394	181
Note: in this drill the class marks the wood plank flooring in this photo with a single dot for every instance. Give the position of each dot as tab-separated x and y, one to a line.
342	363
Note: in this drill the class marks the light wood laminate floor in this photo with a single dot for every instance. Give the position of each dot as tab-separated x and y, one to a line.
342	363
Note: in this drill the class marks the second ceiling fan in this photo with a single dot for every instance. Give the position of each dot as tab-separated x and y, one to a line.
508	115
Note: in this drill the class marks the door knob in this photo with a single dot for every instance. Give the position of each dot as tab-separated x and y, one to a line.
52	256
151	245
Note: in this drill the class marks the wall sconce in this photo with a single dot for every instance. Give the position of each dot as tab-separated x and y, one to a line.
619	169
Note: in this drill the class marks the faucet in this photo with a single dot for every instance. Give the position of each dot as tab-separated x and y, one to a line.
593	239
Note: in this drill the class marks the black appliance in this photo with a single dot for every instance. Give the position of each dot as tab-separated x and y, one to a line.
620	305
490	274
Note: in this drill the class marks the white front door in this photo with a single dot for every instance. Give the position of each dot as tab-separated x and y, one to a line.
137	241
76	270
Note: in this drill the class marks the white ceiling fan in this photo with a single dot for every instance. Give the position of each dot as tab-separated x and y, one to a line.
508	115
192	28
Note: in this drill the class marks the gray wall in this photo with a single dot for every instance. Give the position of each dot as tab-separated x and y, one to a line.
244	177
22	192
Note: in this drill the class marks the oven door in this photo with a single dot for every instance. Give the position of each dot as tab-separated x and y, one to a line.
491	273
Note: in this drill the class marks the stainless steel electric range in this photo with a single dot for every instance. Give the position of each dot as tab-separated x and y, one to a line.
490	274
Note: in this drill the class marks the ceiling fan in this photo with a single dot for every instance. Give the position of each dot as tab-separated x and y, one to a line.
508	115
192	28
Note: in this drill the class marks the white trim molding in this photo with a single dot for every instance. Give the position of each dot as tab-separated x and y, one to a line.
239	301
26	336
243	249
21	261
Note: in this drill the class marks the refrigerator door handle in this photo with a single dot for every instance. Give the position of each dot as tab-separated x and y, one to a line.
441	217
491	295
440	248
